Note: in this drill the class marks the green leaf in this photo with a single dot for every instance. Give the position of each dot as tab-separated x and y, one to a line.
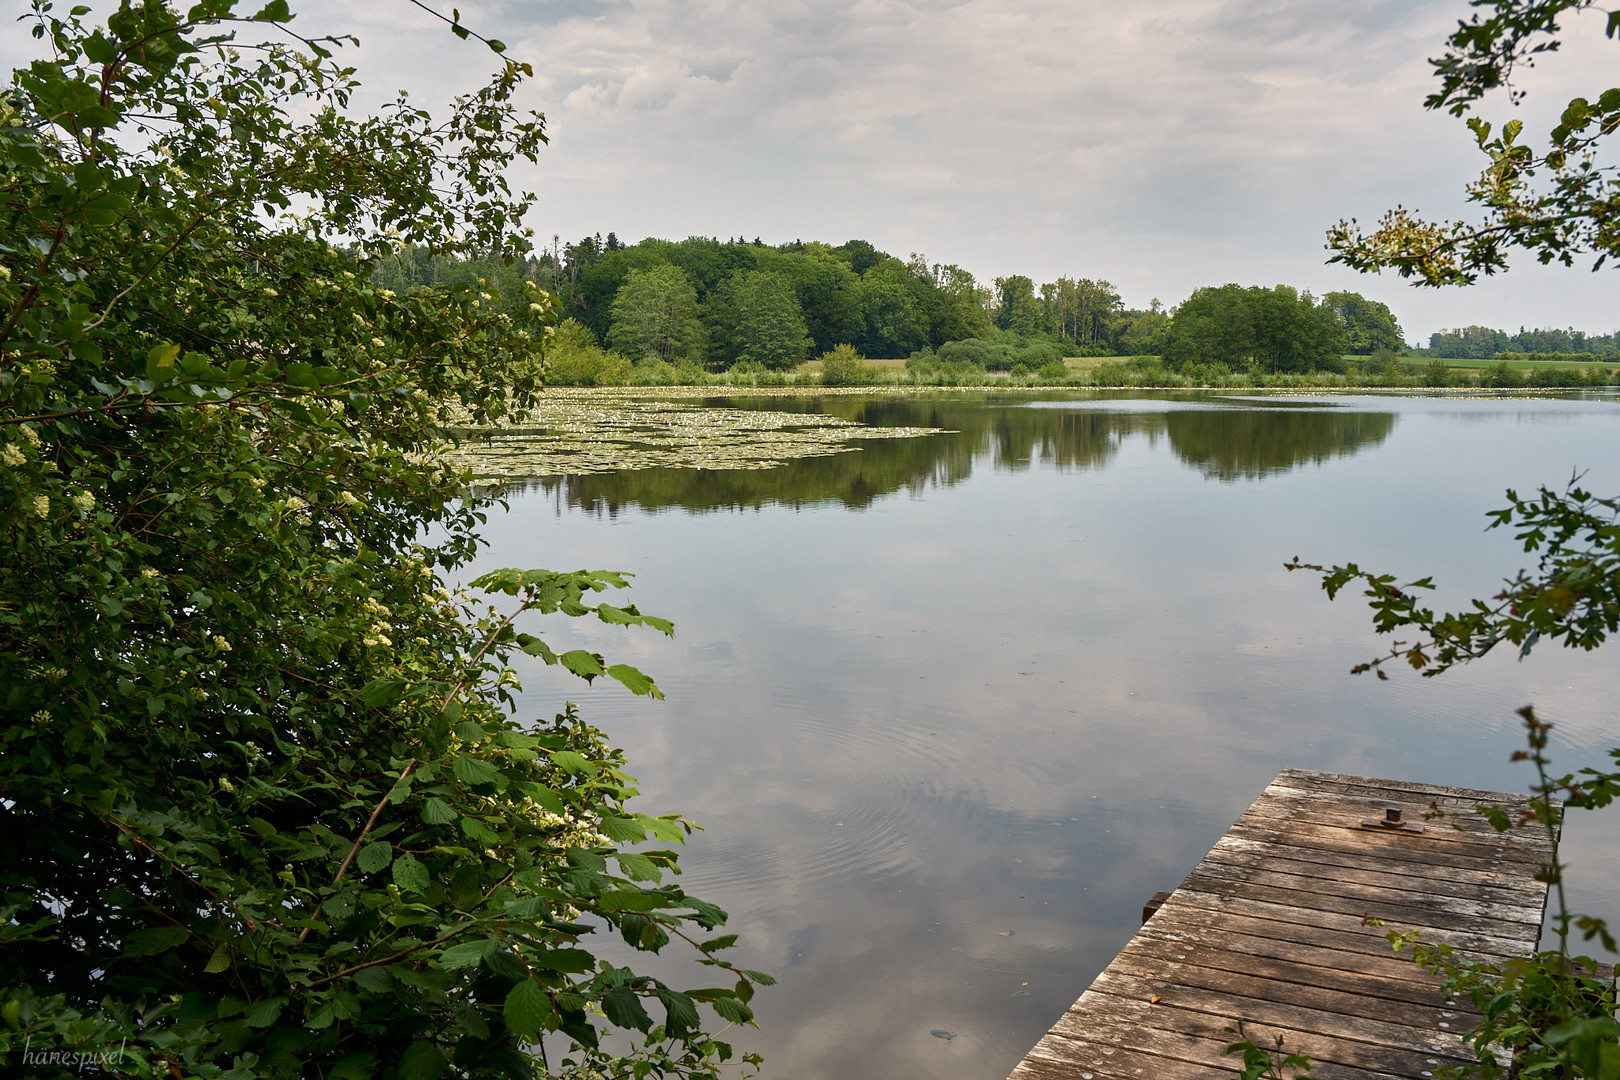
623	1008
631	900
409	874
437	812
528	1009
474	771
634	681
570	761
564	961
220	960
622	830
639	867
468	953
732	1010
151	942
587	665
383	693
160	361
421	1061
682	1015
374	856
265	1013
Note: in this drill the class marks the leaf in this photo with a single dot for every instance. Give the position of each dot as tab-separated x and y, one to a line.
437	812
421	1061
265	1013
563	961
160	361
155	940
733	1010
570	761
639	867
474	771
623	1008
631	900
468	953
586	665
220	960
374	856
622	830
681	1014
635	681
383	693
409	874
528	1009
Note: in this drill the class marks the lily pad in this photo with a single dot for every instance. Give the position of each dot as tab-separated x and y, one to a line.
591	431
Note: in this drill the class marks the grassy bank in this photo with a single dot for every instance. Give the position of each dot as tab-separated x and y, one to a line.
1145	372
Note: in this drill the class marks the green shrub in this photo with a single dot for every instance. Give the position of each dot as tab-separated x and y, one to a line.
843	366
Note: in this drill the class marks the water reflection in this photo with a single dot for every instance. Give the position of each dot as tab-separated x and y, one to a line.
1223	439
945	747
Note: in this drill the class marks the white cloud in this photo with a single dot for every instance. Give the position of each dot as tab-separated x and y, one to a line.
1162	144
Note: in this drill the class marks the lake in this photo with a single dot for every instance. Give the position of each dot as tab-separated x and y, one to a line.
951	708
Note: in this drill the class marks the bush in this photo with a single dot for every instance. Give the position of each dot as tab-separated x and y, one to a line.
266	810
843	366
573	358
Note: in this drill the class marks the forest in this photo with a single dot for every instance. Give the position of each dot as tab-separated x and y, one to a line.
1483	343
746	306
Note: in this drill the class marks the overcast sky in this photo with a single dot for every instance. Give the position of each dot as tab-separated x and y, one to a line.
1160	144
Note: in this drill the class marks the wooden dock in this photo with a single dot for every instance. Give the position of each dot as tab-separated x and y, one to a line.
1272	928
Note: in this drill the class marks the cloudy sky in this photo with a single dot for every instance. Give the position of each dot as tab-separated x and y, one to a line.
1160	144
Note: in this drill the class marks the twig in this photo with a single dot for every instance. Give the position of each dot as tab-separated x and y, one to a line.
349	859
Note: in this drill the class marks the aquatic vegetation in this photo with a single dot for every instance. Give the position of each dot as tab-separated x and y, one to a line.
594	431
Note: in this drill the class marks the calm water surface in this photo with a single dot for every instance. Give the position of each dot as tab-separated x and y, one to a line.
952	708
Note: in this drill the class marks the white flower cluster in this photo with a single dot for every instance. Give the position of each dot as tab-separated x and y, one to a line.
378	634
85	501
42	506
12	455
575	832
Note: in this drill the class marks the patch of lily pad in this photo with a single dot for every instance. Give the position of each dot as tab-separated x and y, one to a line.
594	431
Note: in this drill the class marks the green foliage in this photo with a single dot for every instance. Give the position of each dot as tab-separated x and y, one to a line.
1017	309
573	358
843	366
770	322
1266	1062
655	316
1266	330
263	809
1369	326
1571	215
1573	597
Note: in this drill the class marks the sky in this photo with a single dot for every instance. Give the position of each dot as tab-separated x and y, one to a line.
1161	145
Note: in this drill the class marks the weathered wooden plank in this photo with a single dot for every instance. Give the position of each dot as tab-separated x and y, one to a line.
1336	839
1300	1017
1348	813
1312	892
1460	916
1318	971
1241	937
1199	1038
1481	944
1354	857
1275	927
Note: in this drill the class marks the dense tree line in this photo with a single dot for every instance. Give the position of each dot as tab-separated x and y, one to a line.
1273	330
1482	342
